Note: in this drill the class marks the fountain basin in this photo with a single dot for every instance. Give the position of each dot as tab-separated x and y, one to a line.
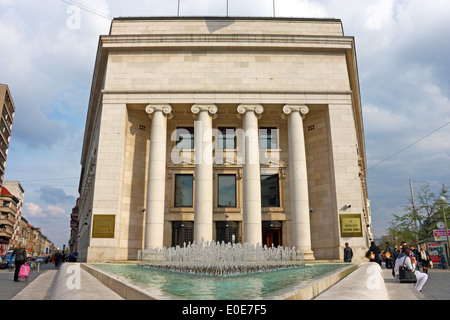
296	283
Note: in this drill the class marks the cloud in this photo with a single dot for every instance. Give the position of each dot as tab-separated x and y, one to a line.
53	196
33	210
57	211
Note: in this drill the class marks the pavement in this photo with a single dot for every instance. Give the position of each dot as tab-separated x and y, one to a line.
366	283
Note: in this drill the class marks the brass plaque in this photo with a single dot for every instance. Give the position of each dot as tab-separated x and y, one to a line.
350	225
103	226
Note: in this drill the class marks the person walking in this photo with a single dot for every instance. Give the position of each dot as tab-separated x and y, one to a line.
376	253
21	258
389	255
348	253
424	259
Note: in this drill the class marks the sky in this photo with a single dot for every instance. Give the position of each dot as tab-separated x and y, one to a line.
47	56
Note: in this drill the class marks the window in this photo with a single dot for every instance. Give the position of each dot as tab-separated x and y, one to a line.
270	191
226	190
185	138
184	190
227	138
268	138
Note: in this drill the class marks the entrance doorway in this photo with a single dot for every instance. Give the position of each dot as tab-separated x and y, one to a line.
182	232
272	233
227	231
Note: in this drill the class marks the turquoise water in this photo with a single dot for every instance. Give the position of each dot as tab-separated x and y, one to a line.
174	285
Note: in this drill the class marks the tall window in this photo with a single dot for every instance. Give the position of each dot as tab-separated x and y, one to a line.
270	191
227	138
185	138
268	138
226	190
184	190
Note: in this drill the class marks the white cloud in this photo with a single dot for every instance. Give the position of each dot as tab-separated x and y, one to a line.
33	210
56	211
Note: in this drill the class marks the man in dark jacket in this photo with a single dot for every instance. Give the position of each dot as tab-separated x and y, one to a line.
21	258
348	253
389	255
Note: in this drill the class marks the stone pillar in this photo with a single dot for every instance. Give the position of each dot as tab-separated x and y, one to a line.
156	182
203	202
301	231
251	173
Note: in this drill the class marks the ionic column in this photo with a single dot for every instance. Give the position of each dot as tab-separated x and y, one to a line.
203	202
301	231
156	182
251	173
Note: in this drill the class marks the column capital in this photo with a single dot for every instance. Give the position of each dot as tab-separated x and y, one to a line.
211	108
165	108
289	108
257	108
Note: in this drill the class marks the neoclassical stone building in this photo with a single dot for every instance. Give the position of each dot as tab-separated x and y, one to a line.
226	129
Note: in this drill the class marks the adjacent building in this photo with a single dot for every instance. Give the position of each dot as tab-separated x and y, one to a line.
7	116
8	219
15	229
224	129
74	225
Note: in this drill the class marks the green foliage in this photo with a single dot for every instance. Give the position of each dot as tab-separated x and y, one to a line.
419	220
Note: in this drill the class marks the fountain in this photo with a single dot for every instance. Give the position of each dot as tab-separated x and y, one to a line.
220	259
222	271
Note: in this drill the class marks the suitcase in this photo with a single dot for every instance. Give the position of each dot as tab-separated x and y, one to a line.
24	271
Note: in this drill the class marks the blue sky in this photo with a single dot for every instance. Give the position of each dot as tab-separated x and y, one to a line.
402	50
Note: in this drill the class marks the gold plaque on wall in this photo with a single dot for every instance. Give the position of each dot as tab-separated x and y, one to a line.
103	226
350	225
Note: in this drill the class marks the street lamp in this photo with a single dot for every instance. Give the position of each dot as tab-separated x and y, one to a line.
442	201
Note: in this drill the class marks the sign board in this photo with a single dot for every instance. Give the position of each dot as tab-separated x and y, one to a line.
103	226
439	235
350	225
433	251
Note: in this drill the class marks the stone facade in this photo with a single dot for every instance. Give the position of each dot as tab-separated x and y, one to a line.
156	76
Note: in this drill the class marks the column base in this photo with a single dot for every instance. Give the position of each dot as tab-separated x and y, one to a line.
308	255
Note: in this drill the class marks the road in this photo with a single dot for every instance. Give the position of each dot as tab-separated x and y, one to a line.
9	288
437	286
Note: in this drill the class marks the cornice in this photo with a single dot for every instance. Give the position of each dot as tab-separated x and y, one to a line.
229	41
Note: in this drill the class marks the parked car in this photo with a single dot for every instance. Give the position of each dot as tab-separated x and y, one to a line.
3	263
8	258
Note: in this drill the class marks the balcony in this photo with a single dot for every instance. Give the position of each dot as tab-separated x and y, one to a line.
6	231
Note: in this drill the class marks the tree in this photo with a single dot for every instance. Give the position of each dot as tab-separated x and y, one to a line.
420	216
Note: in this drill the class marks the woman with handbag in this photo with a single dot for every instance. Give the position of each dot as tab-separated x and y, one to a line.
374	253
405	270
21	258
424	259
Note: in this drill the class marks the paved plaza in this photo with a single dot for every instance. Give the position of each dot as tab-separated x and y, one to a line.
49	285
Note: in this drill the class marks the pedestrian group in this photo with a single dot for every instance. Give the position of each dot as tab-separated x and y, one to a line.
405	260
